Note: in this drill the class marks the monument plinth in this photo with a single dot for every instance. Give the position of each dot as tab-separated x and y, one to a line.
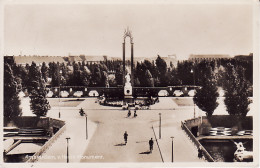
128	90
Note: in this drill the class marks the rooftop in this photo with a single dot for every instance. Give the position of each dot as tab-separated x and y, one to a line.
37	59
207	56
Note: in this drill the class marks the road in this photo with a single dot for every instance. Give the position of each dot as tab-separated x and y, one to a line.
108	141
106	126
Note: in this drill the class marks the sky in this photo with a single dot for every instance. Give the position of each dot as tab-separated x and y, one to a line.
98	29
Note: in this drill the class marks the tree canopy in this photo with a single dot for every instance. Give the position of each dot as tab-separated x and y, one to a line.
206	95
236	91
11	98
37	92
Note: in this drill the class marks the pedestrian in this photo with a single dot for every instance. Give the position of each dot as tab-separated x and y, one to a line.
125	137
59	114
135	115
151	144
200	152
81	112
129	113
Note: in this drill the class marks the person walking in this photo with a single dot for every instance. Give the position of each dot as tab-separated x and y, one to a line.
129	113
151	144
200	152
125	137
81	112
135	115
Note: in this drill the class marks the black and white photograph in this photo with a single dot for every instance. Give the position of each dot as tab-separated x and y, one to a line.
153	83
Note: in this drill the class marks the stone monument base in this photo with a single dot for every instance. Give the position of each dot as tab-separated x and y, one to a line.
128	100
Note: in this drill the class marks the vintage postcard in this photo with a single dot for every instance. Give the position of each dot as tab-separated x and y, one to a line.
130	83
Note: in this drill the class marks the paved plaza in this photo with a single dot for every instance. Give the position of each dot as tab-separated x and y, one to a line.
106	126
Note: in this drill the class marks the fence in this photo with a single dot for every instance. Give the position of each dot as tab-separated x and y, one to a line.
197	143
46	145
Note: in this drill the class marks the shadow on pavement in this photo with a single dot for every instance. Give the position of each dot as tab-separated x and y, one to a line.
121	144
130	117
147	152
140	141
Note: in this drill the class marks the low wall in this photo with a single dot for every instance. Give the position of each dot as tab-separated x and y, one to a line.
35	122
236	124
28	121
46	146
197	143
245	123
13	146
193	122
56	123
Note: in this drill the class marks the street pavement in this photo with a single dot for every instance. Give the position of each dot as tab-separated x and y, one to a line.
108	140
106	126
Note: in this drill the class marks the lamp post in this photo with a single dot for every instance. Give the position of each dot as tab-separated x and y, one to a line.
172	147
68	149
159	125
193	72
59	90
86	125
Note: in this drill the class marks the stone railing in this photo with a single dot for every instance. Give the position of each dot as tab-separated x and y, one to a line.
207	156
35	157
13	146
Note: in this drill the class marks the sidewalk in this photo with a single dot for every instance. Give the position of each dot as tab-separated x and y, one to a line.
75	130
183	149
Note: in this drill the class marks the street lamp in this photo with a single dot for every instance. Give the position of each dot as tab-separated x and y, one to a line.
159	125
59	90
86	125
172	147
68	149
193	73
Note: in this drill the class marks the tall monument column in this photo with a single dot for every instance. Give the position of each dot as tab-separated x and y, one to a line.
124	62
128	34
128	79
132	63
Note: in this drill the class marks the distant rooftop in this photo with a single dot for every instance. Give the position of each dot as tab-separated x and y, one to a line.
22	60
208	56
244	57
37	59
